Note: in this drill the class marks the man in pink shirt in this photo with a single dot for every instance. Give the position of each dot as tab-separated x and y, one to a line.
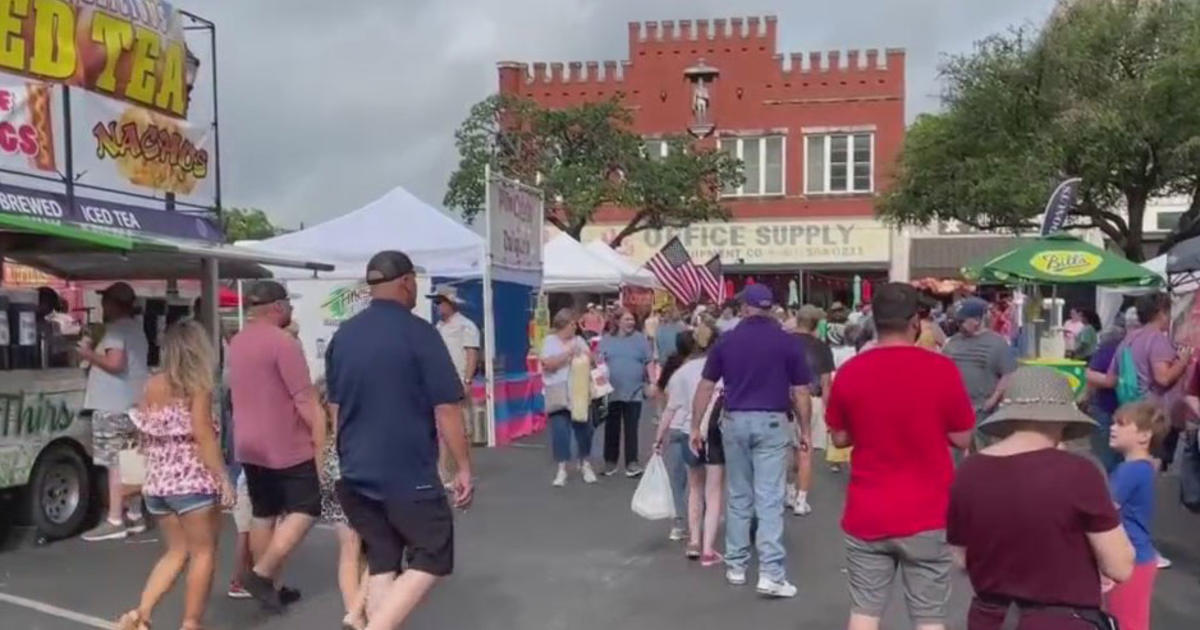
279	436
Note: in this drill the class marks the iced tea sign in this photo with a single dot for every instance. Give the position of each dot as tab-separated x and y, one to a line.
515	225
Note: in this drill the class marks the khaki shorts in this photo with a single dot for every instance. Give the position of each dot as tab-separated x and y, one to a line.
923	561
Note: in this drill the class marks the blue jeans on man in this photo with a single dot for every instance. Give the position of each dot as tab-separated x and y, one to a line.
756	456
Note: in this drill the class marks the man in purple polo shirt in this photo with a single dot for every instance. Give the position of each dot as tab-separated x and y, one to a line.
765	375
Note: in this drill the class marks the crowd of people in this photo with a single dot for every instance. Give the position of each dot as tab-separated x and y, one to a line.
948	436
943	434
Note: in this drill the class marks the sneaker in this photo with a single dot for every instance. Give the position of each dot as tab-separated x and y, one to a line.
789	496
677	534
633	471
711	559
736	577
1164	562
610	470
288	595
589	475
135	525
237	591
802	508
263	590
771	588
106	531
560	478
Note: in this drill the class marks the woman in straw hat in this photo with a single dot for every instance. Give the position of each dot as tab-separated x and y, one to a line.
1034	524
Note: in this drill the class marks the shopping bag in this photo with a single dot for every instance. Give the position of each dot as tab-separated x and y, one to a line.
653	499
601	386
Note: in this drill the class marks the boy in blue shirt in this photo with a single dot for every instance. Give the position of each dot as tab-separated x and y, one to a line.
1137	431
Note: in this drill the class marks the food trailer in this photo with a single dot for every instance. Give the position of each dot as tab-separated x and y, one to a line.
45	435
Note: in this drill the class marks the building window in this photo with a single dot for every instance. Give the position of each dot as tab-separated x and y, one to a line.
839	163
1167	221
657	149
762	164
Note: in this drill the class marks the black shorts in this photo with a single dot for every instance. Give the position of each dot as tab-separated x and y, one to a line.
279	492
397	534
713	453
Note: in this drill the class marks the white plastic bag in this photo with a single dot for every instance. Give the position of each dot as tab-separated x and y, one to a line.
653	499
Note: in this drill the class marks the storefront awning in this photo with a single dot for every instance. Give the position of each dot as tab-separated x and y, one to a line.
75	252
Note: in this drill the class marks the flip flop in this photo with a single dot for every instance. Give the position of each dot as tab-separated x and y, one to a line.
132	620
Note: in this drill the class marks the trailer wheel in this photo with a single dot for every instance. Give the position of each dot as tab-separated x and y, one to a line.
59	492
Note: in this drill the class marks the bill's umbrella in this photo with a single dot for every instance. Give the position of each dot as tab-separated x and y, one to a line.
1060	259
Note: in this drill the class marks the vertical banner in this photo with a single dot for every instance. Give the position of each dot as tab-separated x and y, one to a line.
26	126
1058	208
514	220
118	145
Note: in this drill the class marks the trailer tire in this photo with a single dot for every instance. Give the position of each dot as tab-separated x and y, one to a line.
60	492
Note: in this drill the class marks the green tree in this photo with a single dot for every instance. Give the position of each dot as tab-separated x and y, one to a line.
1106	91
585	158
241	224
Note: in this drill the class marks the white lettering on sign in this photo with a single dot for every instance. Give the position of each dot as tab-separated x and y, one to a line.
110	217
763	242
33	206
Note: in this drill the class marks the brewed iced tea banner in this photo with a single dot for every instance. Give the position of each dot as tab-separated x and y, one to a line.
142	147
132	50
26	128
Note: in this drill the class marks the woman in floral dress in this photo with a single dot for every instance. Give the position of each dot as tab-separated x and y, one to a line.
352	576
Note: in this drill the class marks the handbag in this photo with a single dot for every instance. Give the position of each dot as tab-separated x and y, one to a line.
132	465
556	397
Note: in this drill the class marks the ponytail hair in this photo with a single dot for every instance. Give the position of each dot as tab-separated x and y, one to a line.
685	346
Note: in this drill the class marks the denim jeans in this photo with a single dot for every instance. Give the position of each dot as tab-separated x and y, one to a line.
679	459
756	455
562	428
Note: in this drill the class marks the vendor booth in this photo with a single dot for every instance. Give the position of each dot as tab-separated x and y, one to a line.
570	267
1055	260
632	275
45	436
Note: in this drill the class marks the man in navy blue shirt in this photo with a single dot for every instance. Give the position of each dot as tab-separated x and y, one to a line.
393	388
765	374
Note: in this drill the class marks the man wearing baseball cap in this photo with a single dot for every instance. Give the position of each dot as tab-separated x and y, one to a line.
765	375
115	380
393	387
984	358
279	436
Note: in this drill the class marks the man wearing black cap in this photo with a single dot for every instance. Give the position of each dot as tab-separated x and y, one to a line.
114	384
393	387
279	436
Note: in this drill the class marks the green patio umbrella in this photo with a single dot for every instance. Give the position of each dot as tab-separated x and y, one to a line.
1060	259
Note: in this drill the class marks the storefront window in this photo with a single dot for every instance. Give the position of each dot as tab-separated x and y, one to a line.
839	163
763	165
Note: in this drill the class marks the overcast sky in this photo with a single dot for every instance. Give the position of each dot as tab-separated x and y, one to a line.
326	105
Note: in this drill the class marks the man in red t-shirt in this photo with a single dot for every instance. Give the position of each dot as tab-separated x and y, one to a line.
901	407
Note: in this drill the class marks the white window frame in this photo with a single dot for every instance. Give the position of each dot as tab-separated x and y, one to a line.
828	169
762	164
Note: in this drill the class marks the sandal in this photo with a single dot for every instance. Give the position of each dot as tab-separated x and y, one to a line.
132	620
349	624
693	552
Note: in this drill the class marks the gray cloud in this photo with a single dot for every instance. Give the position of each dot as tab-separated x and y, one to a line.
326	106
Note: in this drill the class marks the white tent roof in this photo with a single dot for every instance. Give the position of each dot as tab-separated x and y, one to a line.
570	267
437	244
631	274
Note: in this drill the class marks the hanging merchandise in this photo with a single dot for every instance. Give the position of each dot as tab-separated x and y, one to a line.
793	292
857	291
867	291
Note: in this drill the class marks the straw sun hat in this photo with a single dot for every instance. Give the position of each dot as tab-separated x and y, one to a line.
1038	394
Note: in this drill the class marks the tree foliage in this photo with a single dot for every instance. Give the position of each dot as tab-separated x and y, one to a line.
1106	91
585	158
241	224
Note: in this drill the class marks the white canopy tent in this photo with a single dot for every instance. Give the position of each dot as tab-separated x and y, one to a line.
1108	299
631	274
570	267
437	244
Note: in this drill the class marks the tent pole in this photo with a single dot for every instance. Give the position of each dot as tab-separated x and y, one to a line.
241	307
209	299
489	315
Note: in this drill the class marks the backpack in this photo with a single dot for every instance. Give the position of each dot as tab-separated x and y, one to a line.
1128	390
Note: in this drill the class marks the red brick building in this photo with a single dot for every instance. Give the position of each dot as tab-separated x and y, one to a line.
817	133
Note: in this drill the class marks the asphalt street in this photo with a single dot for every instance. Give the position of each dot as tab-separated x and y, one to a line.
532	557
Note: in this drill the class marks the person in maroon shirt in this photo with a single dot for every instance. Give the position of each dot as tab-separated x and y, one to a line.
1034	524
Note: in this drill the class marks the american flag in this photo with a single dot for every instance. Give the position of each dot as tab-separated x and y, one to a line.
674	269
712	280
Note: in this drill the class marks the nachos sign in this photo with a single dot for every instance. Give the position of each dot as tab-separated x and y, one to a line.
131	50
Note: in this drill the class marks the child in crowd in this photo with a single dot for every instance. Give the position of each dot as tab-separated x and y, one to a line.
352	573
1137	432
